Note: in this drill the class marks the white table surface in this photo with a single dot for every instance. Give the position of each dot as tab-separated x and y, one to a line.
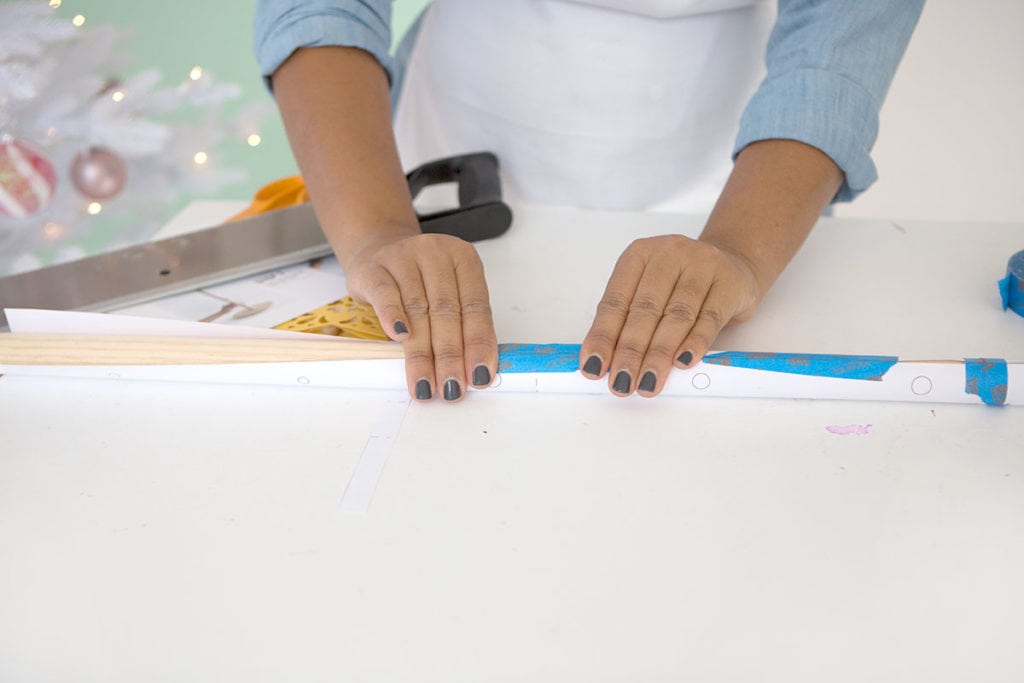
181	532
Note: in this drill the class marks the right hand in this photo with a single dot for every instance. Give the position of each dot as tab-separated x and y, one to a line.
429	293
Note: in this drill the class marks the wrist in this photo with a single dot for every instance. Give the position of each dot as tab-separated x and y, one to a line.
355	243
774	196
760	277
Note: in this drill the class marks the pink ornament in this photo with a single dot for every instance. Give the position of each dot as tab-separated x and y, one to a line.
98	173
27	179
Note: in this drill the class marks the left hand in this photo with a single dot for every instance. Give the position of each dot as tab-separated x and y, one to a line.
666	302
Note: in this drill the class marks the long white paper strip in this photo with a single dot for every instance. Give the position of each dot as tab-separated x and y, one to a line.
40	321
928	381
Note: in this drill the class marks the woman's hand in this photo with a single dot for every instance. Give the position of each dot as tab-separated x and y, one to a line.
428	290
429	293
670	296
666	302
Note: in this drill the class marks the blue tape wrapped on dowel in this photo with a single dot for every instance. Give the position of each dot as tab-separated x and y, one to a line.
816	364
566	358
988	379
538	357
1011	287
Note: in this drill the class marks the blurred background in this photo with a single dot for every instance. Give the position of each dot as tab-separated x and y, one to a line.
176	36
116	114
950	146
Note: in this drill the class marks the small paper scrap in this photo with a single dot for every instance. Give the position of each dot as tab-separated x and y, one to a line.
848	430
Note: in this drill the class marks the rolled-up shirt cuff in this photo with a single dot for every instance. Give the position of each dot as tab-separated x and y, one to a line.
823	109
312	26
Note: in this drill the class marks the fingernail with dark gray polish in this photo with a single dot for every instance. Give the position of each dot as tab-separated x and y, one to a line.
423	392
451	390
648	381
400	328
481	376
685	358
621	384
592	366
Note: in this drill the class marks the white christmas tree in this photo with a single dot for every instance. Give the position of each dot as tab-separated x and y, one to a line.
78	143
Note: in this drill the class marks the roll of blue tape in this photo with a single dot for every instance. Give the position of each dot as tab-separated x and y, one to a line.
1011	287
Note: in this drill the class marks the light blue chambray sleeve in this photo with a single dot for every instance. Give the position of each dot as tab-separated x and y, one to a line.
830	63
280	27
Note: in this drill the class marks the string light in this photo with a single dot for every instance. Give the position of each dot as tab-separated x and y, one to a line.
78	19
196	73
94	208
200	158
117	95
54	4
254	140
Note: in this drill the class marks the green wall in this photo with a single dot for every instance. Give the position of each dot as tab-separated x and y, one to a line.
177	35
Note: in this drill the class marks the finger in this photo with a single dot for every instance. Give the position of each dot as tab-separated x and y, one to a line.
444	310
680	315
384	295
419	357
599	344
480	345
645	313
718	309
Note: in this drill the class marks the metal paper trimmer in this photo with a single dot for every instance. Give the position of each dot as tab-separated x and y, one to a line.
272	240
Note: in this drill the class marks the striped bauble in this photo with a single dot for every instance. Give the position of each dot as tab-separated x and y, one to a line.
27	179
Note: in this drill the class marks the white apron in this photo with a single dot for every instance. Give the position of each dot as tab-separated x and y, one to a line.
610	104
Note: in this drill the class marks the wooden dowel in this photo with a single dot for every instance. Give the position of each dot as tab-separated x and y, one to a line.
77	349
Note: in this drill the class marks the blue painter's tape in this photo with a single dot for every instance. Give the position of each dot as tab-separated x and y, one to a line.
819	365
538	357
1011	287
987	378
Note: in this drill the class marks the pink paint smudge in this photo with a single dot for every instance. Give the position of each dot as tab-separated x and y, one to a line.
846	430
